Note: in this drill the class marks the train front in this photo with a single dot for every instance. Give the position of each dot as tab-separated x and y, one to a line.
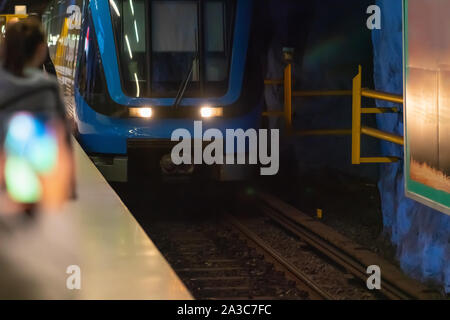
148	68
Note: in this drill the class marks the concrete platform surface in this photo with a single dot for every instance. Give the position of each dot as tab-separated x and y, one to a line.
94	237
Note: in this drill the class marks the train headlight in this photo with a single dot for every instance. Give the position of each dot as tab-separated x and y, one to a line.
208	112
141	112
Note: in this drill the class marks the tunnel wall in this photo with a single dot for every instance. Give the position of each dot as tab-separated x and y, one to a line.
421	234
330	41
329	46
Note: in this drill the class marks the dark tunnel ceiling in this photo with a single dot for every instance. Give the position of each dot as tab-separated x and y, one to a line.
7	6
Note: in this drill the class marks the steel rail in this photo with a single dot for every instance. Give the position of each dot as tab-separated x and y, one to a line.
388	289
285	264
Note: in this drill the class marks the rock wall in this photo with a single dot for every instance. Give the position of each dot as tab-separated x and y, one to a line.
330	41
422	235
330	38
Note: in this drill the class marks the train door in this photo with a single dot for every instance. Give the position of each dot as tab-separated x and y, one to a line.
62	21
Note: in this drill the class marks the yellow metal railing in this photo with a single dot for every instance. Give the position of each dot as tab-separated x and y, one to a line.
357	93
286	113
357	129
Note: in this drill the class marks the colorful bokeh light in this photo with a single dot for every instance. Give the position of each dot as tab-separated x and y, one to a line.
22	182
31	151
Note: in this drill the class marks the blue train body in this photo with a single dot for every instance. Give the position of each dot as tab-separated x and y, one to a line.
96	55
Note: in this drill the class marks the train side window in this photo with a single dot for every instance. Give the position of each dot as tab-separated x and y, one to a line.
216	59
90	79
129	16
156	42
134	45
174	42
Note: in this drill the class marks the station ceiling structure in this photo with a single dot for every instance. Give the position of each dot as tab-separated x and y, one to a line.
7	6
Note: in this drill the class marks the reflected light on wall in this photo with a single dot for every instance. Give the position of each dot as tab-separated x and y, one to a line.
86	42
114	6
128	46
136	30
138	89
132	7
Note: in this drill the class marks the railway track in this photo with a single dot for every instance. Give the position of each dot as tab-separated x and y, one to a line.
225	259
281	263
232	253
214	263
340	250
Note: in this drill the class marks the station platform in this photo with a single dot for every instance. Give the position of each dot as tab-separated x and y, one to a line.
96	233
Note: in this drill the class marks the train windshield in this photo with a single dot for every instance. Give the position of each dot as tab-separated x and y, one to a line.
159	42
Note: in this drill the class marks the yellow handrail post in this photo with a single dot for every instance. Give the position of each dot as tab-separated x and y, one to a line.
356	118
386	136
382	96
357	129
288	97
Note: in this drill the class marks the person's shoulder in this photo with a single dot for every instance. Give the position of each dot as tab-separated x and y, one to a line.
43	79
3	73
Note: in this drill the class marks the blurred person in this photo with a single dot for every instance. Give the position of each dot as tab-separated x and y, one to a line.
48	65
26	89
8	24
24	52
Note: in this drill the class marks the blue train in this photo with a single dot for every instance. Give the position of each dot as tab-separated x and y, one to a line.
139	69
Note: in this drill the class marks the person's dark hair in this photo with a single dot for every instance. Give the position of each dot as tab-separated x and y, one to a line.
21	42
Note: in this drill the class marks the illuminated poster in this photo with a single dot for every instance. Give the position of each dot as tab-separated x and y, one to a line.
427	101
